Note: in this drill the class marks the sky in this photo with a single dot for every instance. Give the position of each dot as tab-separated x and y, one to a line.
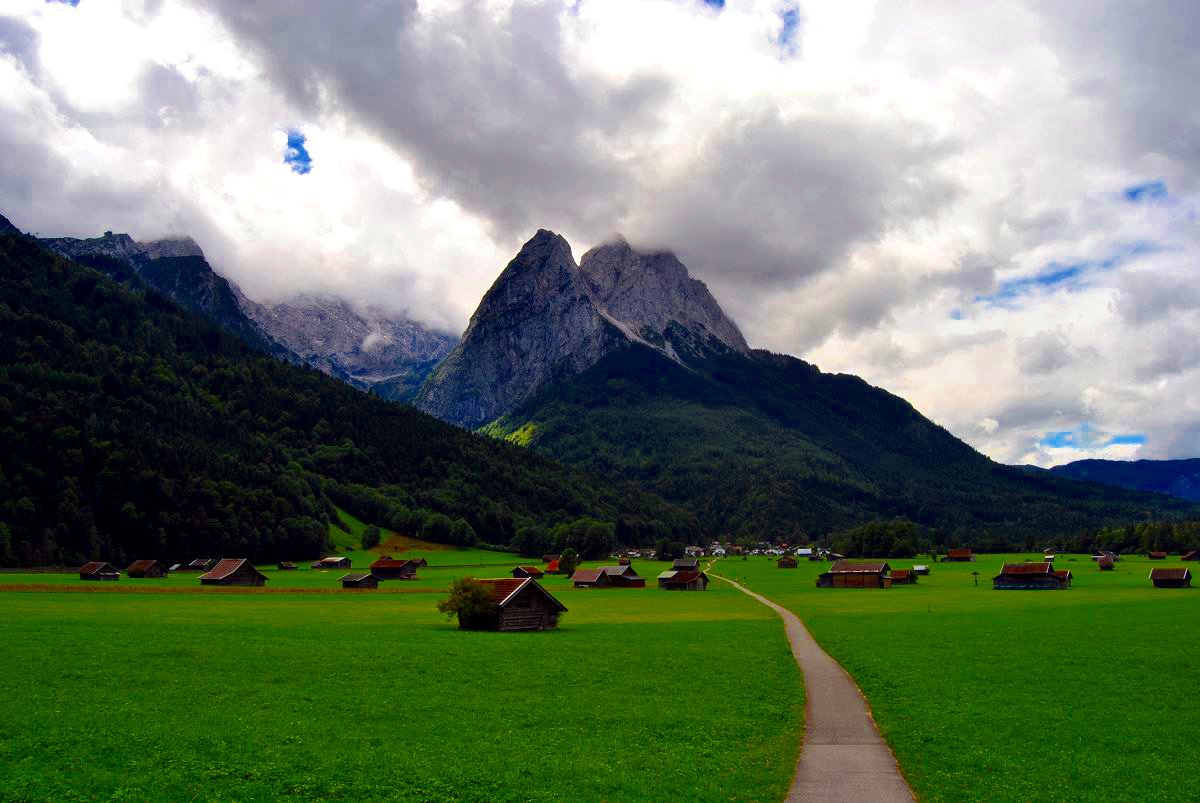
990	209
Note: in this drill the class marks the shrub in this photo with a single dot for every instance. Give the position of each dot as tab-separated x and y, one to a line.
470	601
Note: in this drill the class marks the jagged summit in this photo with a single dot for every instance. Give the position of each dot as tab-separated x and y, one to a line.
7	227
546	318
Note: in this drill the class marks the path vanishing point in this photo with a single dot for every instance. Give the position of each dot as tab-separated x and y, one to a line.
843	757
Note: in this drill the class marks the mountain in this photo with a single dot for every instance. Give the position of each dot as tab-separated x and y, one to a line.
373	351
1180	478
546	319
132	427
7	227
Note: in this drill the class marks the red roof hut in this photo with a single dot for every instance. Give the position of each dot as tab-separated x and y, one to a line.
234	572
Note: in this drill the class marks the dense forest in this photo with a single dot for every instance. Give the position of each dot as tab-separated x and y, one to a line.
767	447
1172	477
132	427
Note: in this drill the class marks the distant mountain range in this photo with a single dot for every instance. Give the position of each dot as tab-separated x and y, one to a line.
1180	478
369	349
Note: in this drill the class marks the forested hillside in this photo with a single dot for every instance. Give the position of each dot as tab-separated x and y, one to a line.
767	446
130	426
1172	477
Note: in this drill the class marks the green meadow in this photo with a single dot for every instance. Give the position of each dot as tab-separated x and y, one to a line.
640	694
1082	694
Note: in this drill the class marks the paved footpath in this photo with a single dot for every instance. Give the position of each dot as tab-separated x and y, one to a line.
843	757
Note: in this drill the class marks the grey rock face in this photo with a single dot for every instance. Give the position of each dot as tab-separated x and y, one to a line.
121	247
545	318
173	247
364	348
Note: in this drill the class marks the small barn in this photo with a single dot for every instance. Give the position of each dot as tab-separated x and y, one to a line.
146	569
552	568
200	565
845	574
523	605
333	562
904	577
1065	576
98	570
683	581
622	561
1157	556
787	562
234	572
959	556
1171	578
1029	577
920	569
590	578
1106	564
285	566
623	577
522	572
360	581
394	569
177	567
550	558
1190	556
686	565
1048	559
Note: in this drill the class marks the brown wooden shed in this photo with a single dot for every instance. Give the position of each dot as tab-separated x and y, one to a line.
1157	556
958	556
200	565
1029	577
1106	564
146	569
394	569
360	581
527	571
590	578
332	562
787	562
686	565
683	581
285	566
418	563
522	604
234	572
1193	555
904	577
845	574
1171	578
98	570
623	577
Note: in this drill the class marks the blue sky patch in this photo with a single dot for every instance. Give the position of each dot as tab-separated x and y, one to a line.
296	156
1088	437
64	2
1146	192
717	4
789	31
956	314
1068	275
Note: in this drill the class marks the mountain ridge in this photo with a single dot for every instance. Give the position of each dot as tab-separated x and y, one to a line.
1178	478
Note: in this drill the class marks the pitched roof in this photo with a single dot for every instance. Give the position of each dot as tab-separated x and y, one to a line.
587	575
505	589
200	563
226	567
1171	574
667	575
552	566
1193	555
94	566
620	571
846	567
683	578
354	578
140	565
901	573
388	563
332	559
958	553
1158	554
684	563
1027	568
531	569
1064	574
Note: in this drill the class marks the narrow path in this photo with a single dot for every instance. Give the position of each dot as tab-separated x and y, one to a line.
843	757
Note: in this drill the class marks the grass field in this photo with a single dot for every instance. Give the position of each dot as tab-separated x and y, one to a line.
401	546
640	694
1083	694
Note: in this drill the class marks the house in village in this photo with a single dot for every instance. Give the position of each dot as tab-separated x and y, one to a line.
686	565
1064	576
844	574
787	562
521	572
920	569
522	604
590	578
1104	553
1171	578
418	563
362	581
1030	576
234	572
200	565
958	556
1105	563
146	568
683	581
333	562
1193	555
904	577
387	568
98	570
623	577
285	566
1157	556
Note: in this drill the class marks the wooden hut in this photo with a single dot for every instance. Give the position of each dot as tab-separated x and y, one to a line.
332	562
1171	578
623	577
1049	559
1193	555
146	568
1157	556
622	561
683	581
1029	577
920	569
686	565
200	565
98	570
590	578
845	574
360	581
285	566
521	572
553	556
1065	576
418	563
552	567
234	572
787	562
904	577
1106	564
522	604
394	569
959	556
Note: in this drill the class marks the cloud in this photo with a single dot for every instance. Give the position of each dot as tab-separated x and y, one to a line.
1043	353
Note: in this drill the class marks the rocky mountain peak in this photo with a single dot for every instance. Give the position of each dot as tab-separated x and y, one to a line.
6	227
172	247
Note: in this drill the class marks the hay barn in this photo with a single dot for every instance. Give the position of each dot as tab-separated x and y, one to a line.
1190	556
686	565
522	604
904	577
1171	578
623	577
234	572
418	563
845	574
1157	556
285	566
522	572
146	569
920	569
787	562
590	578
360	581
393	569
683	581
1029	577
958	556
1106	564
98	570
333	562
200	565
